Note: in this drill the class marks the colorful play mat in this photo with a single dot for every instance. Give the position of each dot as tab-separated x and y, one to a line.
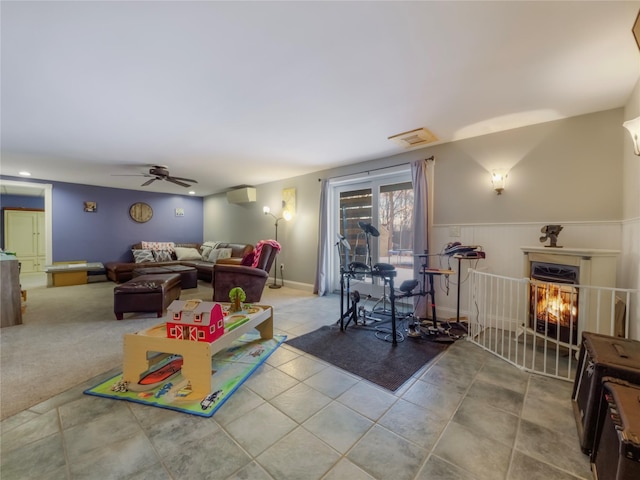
163	385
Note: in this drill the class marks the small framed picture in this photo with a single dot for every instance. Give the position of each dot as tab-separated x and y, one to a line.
90	207
179	212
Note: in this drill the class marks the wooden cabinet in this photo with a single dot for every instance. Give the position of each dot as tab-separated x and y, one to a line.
10	305
24	234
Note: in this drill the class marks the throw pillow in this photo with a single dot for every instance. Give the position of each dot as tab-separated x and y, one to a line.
213	255
162	255
219	253
184	253
206	249
247	260
158	246
143	256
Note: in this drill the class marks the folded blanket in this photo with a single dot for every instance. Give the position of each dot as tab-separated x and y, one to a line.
258	250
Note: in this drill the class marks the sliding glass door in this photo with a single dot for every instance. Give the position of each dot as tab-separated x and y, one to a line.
372	222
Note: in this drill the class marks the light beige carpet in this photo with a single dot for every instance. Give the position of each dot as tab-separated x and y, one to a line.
70	334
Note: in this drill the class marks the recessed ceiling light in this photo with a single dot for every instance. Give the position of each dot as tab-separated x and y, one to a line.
192	192
24	174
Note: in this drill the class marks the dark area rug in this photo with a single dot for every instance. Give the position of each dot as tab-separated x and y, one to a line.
358	350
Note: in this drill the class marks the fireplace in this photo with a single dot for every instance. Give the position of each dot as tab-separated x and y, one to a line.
553	302
564	299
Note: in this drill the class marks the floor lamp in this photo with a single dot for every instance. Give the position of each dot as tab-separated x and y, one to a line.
286	215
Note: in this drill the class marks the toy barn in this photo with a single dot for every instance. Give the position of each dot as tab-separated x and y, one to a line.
195	320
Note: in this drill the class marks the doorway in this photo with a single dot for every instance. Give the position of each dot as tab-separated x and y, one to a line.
36	189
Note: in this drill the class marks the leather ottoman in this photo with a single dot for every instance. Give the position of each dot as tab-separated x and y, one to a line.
188	275
146	293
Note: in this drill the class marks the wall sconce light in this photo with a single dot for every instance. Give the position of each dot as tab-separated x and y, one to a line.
634	129
498	181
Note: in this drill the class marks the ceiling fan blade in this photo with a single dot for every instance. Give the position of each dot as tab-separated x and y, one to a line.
130	175
185	179
177	182
148	182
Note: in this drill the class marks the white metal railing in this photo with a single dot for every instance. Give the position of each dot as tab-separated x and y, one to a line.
500	321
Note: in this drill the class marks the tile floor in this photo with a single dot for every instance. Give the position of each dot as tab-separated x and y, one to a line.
467	415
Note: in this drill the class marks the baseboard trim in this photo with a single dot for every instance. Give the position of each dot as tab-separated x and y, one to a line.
306	287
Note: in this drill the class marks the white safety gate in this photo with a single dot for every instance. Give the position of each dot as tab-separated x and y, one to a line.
502	321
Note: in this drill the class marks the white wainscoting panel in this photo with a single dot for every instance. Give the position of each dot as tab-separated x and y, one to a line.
502	244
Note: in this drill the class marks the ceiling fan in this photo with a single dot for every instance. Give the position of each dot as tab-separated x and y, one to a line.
161	172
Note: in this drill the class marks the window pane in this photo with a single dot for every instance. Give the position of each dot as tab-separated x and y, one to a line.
395	212
355	207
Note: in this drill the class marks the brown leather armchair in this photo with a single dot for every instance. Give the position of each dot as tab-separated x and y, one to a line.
251	279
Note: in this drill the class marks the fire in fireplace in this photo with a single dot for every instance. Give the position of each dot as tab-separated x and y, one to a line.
553	303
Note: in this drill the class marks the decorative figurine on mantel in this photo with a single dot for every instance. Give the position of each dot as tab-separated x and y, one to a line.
551	232
237	296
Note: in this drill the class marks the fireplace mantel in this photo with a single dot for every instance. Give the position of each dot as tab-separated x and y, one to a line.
597	266
578	252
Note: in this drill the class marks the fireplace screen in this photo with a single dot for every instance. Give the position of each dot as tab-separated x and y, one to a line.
554	301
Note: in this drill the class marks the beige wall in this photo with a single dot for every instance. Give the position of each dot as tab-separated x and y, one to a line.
247	223
630	270
631	167
563	171
567	170
580	172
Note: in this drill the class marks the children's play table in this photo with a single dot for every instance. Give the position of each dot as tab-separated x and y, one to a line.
196	367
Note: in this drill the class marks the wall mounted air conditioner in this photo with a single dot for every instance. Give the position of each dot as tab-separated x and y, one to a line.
242	195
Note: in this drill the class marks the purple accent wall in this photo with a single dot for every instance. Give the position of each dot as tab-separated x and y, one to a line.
108	233
21	201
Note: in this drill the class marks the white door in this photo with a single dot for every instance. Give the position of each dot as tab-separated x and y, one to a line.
42	252
22	230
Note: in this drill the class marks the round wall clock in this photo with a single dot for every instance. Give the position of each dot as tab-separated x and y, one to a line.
140	212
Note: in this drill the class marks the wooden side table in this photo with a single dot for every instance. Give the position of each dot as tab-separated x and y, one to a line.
62	274
10	305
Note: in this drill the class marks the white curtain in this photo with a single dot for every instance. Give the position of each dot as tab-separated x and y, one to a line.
422	179
322	283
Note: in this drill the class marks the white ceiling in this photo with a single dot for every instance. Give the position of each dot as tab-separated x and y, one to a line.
244	93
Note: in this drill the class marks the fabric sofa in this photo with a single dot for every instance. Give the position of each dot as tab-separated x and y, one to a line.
121	272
